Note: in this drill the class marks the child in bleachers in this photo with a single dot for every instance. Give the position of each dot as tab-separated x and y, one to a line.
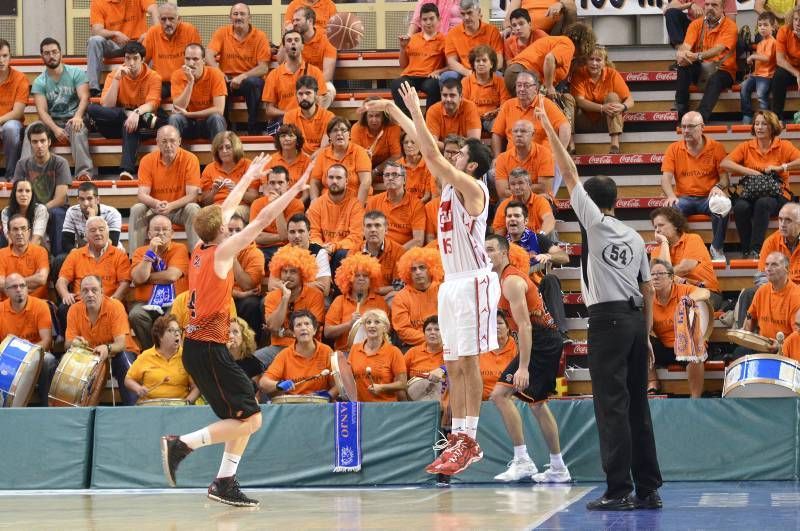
763	68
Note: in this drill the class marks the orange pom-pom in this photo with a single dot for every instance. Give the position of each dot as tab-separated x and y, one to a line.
358	263
429	257
297	257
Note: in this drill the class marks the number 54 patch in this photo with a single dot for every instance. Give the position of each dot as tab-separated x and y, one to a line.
618	255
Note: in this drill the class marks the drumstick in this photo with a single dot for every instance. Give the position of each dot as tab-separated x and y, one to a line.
359	299
368	370
375	143
165	380
780	337
322	374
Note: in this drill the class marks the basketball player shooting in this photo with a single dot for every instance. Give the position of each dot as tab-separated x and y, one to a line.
469	295
206	358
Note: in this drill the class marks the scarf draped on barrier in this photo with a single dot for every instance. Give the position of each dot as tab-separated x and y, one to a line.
689	343
347	426
163	294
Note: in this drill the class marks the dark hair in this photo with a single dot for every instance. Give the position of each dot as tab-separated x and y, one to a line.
37	129
160	327
502	314
602	190
18	216
300	218
4	44
375	214
480	154
309	13
281	169
89	186
196	45
674	216
517	204
303	313
291	129
239	217
309	82
768	16
337	120
47	41
453	138
501	241
431	319
452	83
13	205
520	13
480	50
289	32
429	8
363	119
133	47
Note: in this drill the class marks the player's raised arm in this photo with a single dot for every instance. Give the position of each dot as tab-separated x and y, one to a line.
564	163
256	170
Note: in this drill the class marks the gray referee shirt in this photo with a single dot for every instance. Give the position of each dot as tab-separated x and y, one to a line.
614	255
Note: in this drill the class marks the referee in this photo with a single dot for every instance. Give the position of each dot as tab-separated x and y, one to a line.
616	287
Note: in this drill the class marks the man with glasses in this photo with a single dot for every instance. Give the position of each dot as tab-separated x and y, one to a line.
693	163
61	95
405	215
523	153
198	96
169	184
165	43
158	272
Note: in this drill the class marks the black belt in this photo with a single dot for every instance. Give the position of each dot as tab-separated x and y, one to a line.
616	306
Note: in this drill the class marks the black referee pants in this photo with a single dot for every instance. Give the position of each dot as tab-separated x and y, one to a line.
618	366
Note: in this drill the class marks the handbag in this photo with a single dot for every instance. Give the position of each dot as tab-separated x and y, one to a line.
760	185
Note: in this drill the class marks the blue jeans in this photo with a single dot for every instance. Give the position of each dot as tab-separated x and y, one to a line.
119	368
55	224
198	128
689	205
761	85
110	122
12	143
251	89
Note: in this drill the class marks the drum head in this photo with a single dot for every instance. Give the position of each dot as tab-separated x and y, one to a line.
422	389
749	340
299	399
171	402
343	376
357	333
20	362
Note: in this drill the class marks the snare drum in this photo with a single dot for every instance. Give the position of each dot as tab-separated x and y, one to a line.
422	389
299	399
20	362
762	376
343	376
79	379
170	402
750	340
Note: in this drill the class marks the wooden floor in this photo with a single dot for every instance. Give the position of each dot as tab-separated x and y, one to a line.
485	507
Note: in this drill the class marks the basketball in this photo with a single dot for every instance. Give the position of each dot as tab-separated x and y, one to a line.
345	31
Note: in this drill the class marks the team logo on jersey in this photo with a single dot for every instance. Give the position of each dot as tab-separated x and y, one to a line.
618	255
446	216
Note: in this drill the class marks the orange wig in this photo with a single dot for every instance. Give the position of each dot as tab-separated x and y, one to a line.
429	257
358	263
291	256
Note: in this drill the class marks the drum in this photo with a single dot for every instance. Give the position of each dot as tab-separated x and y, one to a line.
299	399
422	389
79	379
762	376
343	376
20	362
170	402
750	340
358	334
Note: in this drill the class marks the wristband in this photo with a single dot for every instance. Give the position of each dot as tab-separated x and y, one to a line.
625	107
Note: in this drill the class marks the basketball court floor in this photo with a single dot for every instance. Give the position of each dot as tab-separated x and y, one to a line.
688	506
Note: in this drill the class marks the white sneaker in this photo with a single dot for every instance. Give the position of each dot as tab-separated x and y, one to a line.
518	469
553	475
717	255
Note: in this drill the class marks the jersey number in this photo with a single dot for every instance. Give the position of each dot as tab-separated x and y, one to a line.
191	304
447	246
618	255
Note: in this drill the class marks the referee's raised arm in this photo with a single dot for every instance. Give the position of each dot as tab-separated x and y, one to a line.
564	163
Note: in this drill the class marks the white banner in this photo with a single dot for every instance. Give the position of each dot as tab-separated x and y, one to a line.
594	8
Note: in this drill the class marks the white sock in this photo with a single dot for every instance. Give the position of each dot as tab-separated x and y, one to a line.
557	461
197	439
472	427
228	466
521	452
458	425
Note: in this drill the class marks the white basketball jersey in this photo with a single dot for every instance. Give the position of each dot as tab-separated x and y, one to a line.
461	236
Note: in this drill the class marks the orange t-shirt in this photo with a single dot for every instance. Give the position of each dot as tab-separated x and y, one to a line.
780	151
127	16
694	176
532	57
664	314
511	112
112	321
725	33
339	223
214	171
296	168
432	217
385	364
209	297
291	365
766	48
512	47
387	146
235	56
691	246
355	159
418	177
583	86
280	90
210	85
538	207
112	267
13	90
176	256
402	218
458	43
424	55
323	9
410	308
388	258
27	323
486	97
538	163
133	92
165	55
493	363
32	260
789	45
776	242
537	9
440	124
313	129
294	207
774	311
319	48
791	346
311	299
168	183
344	306
420	362
252	261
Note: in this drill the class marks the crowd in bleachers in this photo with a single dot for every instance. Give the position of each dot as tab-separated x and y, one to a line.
352	262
